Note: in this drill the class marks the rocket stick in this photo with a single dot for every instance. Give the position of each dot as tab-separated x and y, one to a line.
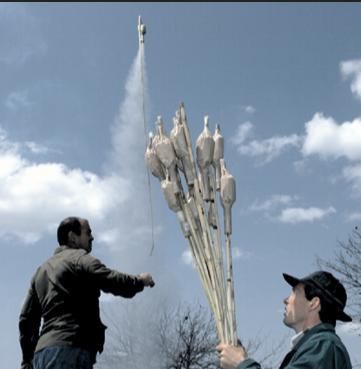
230	291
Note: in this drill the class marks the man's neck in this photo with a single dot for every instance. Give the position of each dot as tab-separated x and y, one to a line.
307	325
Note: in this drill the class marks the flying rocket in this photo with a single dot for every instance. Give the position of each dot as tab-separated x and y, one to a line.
141	30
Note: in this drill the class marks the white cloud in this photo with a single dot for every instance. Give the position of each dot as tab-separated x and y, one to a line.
270	148
9	164
248	109
238	253
323	137
294	215
187	258
18	100
36	148
299	215
272	202
243	132
352	69
354	217
301	166
109	236
34	196
352	174
328	139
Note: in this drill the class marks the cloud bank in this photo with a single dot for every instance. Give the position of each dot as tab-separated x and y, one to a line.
273	202
300	215
35	197
278	208
352	69
326	138
323	137
265	150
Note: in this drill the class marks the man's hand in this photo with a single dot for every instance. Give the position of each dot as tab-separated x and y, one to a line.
231	356
26	365
147	279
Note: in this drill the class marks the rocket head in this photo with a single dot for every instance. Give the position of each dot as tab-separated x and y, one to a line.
141	30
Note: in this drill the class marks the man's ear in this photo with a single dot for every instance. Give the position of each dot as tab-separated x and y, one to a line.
71	238
315	303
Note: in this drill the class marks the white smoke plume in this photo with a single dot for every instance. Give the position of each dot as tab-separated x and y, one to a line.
131	224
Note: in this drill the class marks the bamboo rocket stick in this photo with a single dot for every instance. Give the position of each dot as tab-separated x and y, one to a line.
204	236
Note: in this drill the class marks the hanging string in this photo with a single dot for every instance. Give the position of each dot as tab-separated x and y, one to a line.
141	46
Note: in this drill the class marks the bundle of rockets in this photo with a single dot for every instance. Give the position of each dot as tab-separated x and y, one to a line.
169	158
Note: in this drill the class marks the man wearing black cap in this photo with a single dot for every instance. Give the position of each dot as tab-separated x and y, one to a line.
312	308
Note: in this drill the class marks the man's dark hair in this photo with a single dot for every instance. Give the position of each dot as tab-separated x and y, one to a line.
328	311
69	224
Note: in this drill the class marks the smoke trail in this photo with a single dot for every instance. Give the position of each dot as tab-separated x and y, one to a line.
130	234
128	131
131	223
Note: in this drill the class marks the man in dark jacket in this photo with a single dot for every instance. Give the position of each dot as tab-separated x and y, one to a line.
64	297
312	308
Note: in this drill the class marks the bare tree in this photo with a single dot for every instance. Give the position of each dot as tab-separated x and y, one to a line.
269	355
347	263
184	337
180	338
187	338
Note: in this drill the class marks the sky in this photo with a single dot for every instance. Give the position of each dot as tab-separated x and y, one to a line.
283	80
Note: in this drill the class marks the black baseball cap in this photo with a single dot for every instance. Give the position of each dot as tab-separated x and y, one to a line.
330	288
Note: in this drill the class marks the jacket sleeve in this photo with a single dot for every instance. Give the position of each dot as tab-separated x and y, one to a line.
109	280
321	354
29	324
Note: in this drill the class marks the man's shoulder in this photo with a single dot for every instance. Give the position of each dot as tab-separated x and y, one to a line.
63	254
65	251
325	341
324	332
65	257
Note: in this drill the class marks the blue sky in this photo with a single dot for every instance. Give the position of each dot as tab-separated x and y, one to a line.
282	79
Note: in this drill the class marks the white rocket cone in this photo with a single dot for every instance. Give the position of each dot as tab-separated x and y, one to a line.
153	161
204	152
228	196
178	139
218	155
170	196
191	163
165	152
174	205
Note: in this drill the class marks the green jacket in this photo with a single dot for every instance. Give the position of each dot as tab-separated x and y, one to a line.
319	348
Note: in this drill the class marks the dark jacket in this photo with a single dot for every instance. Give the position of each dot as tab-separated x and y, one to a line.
65	292
319	348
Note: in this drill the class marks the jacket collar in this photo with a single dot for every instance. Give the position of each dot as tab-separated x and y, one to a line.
322	327
61	248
